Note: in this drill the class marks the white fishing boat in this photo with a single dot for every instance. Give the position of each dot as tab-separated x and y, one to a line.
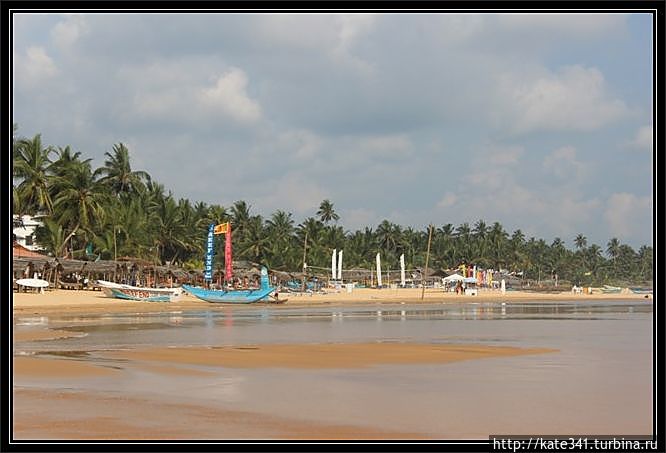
142	293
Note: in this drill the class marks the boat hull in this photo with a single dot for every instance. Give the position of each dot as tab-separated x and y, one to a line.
229	297
127	292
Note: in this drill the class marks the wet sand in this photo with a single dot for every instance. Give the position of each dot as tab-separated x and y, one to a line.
82	413
322	355
93	416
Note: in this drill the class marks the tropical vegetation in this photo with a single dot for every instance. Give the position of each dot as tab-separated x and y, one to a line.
115	211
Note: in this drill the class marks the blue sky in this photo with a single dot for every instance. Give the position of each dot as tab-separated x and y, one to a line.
539	121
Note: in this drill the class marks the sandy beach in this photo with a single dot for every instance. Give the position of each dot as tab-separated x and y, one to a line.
85	413
60	301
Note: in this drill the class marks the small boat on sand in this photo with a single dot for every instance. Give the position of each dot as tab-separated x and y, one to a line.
607	289
235	296
141	293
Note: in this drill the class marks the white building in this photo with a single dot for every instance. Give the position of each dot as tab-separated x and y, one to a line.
23	228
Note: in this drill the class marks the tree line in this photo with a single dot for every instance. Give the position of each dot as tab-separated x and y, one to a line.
114	211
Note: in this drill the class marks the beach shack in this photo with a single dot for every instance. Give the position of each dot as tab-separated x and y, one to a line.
471	288
451	281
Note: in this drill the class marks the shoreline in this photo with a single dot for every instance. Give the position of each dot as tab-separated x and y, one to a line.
86	302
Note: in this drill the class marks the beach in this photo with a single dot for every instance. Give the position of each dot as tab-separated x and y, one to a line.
95	390
68	301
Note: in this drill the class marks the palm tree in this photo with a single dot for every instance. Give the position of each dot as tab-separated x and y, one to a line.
118	173
463	239
280	233
50	235
31	164
497	238
580	242
80	202
326	212
613	251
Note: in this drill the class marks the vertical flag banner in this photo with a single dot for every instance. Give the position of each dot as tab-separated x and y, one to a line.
340	265
379	271
227	253
208	270
333	273
402	270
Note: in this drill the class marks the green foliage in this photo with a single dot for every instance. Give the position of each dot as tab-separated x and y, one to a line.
124	212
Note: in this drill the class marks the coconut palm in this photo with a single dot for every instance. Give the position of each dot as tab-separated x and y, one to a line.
326	212
80	202
31	166
118	174
280	233
580	242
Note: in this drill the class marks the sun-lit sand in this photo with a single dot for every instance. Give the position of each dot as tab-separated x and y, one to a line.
60	301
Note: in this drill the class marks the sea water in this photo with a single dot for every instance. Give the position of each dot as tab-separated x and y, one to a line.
600	381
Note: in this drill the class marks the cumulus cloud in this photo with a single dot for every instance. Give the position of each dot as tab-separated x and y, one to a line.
229	96
67	32
627	214
575	98
34	66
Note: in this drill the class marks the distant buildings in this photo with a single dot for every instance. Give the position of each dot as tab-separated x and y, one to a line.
23	229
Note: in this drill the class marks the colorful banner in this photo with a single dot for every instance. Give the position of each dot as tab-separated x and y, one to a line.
227	254
222	228
208	270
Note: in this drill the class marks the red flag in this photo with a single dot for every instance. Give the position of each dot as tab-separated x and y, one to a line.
227	254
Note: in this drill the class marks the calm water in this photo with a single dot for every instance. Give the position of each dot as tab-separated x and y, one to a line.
600	381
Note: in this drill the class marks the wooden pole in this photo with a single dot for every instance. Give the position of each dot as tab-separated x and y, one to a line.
425	274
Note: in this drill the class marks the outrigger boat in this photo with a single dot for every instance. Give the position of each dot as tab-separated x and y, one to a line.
128	292
236	296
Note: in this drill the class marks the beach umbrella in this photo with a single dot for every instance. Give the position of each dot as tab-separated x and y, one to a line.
402	270
340	265
333	273
379	271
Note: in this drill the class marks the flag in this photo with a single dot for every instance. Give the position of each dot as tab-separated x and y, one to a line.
222	228
208	270
227	254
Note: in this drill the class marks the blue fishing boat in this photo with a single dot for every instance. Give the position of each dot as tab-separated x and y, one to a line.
236	296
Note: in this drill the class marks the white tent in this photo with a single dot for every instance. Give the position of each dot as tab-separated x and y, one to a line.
454	278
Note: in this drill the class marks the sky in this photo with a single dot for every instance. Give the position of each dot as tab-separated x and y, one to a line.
541	122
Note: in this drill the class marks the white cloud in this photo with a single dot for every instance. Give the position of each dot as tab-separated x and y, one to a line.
627	214
576	98
230	97
643	138
68	32
35	66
